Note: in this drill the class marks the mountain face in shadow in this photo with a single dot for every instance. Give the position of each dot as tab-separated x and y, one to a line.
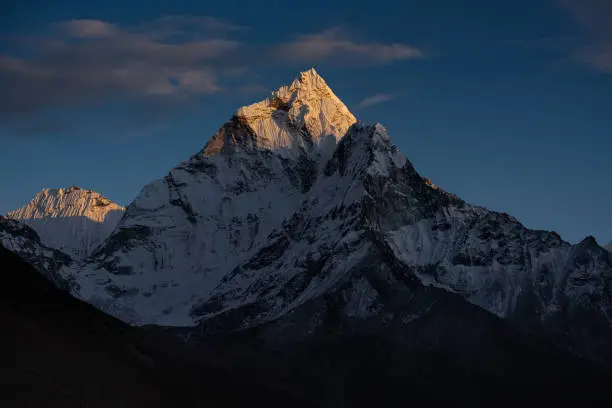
59	352
77	236
430	345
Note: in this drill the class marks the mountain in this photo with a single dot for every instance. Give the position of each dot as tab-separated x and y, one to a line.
61	352
609	247
25	242
293	202
300	248
72	220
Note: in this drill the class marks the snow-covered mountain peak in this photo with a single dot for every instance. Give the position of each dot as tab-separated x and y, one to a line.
308	84
67	202
293	120
73	219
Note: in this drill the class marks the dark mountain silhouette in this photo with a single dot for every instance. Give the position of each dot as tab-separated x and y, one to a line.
455	355
57	351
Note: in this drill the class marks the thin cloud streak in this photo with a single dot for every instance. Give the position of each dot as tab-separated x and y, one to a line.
375	100
336	44
87	29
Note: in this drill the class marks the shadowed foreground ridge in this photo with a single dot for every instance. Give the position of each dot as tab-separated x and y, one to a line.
62	352
432	347
57	351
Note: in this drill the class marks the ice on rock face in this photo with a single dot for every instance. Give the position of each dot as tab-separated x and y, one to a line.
72	220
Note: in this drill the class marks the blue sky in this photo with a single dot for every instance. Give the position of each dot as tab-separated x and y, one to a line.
507	104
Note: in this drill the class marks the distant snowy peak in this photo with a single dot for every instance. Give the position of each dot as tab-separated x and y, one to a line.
73	220
292	120
67	202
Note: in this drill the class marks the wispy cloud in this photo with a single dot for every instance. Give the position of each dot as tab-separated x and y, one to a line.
338	45
88	29
375	100
92	60
595	18
169	60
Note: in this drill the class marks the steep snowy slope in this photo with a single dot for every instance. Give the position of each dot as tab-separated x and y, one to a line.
220	205
293	200
72	220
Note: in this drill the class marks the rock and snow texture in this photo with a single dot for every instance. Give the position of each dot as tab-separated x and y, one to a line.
182	234
294	201
25	242
72	220
296	121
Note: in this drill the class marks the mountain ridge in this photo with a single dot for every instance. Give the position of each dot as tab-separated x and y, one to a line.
72	220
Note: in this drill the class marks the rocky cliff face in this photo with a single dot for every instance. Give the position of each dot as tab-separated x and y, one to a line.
72	220
293	205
